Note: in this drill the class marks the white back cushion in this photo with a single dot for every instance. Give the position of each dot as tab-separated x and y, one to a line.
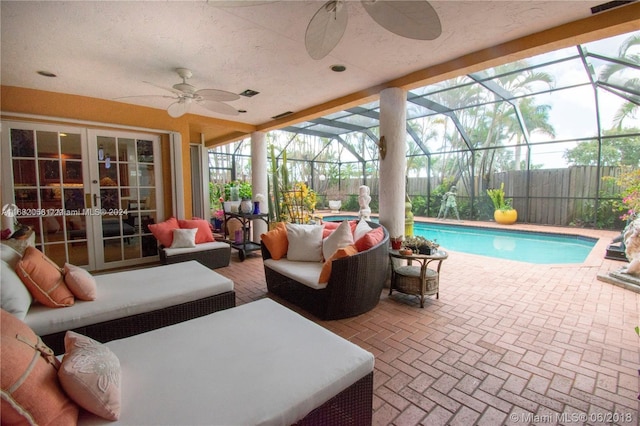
305	242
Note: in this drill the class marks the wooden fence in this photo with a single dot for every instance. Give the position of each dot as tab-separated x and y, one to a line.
548	197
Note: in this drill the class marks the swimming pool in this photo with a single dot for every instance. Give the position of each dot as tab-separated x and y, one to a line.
524	246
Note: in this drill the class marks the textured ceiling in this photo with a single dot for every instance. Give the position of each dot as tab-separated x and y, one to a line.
108	49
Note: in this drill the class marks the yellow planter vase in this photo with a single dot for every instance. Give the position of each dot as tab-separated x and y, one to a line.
505	217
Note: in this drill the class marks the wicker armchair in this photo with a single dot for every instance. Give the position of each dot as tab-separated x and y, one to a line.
354	286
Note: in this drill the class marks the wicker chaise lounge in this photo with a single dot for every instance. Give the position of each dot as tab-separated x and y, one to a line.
136	301
257	364
353	288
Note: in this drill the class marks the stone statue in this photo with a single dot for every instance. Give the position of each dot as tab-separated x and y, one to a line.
364	199
449	202
631	240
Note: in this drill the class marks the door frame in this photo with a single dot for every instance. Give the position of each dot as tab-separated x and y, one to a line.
89	172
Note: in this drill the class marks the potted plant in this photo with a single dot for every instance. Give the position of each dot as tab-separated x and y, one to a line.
503	214
420	244
244	190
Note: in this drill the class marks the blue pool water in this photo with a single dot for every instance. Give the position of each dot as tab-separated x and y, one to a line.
532	247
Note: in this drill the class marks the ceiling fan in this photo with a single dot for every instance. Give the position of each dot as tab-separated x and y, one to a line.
415	19
186	95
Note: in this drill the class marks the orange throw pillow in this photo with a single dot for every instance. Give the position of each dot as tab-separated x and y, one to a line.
163	231
370	239
325	273
43	279
204	234
31	392
276	241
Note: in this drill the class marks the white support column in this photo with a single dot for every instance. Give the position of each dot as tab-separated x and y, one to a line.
393	166
177	179
259	179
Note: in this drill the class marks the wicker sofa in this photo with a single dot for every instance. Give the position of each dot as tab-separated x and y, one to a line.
353	288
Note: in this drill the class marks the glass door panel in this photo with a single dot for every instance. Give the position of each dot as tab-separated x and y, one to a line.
47	170
127	192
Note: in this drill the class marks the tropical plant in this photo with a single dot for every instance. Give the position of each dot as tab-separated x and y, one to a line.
497	197
289	202
216	191
630	204
621	73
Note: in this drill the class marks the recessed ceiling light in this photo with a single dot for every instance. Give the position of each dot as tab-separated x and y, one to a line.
47	74
338	68
249	93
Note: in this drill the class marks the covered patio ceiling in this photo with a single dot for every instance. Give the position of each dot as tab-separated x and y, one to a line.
109	50
425	101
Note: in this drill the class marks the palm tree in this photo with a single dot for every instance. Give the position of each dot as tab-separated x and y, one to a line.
613	73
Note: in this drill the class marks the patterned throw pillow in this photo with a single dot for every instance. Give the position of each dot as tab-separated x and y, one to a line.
31	392
90	375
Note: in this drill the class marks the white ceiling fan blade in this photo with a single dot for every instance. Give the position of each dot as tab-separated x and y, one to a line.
180	108
217	95
218	107
326	29
415	19
146	96
170	89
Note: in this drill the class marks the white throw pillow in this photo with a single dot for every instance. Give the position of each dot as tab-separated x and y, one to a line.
340	238
9	255
184	238
362	229
305	242
81	283
14	296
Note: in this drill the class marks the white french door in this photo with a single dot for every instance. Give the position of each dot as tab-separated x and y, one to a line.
125	172
88	194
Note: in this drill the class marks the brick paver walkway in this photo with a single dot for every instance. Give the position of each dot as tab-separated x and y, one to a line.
506	343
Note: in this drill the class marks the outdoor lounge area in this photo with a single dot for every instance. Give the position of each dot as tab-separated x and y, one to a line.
507	116
506	343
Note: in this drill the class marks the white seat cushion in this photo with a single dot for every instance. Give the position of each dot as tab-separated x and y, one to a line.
306	273
121	294
199	247
257	364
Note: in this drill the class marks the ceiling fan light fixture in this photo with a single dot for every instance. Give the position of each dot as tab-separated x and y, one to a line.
249	93
179	108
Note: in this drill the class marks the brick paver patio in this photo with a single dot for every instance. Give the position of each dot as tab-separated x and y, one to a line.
507	343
